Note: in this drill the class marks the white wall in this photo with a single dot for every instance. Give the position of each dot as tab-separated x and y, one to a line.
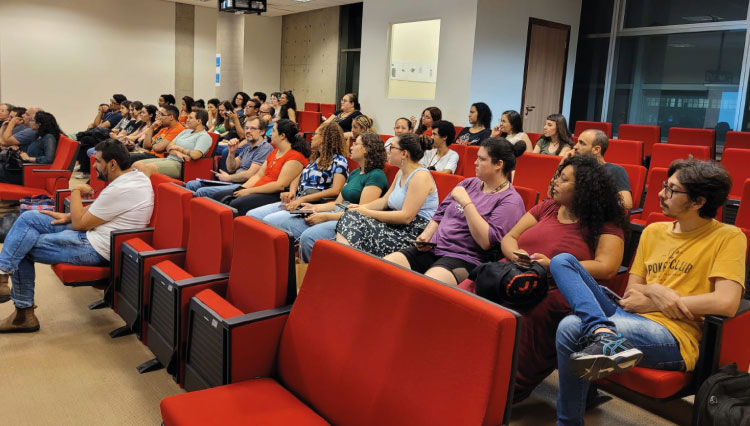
204	54
500	50
457	27
262	54
69	57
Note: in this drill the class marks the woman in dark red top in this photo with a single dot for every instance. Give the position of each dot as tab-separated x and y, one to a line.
583	218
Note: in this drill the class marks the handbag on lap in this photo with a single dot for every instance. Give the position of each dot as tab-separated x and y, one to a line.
510	284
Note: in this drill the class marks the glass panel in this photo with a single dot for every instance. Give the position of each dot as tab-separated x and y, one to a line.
654	13
678	80
588	83
414	60
596	16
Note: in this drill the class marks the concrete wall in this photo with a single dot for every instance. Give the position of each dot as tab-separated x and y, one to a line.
262	71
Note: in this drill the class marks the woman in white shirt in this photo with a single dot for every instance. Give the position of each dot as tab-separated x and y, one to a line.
440	158
511	128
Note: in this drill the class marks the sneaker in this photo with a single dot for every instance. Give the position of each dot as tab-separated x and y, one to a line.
82	176
604	354
77	167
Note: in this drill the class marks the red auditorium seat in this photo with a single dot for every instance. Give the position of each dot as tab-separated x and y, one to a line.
650	135
637	180
445	183
530	196
257	280
209	253
390	172
385	137
308	121
621	151
697	137
737	163
353	353
467	159
663	154
461	151
533	137
743	212
312	106
739	140
327	110
582	126
44	179
166	240
535	171
651	204
201	168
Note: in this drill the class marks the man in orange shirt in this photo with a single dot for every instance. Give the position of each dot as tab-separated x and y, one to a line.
169	125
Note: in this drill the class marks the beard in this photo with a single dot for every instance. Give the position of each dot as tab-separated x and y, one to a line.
101	176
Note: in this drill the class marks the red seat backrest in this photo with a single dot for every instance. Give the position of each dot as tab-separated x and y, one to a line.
353	165
209	246
390	172
468	159
623	151
458	129
171	216
743	213
658	217
530	196
535	171
385	137
737	163
355	350
604	126
308	121
533	137
312	106
445	183
637	180
688	136
258	279
739	140
65	154
327	110
651	204
214	142
461	151
663	154
650	135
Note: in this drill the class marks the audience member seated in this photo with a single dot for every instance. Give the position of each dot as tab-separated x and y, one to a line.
237	131
240	167
393	221
260	97
659	322
133	124
224	121
238	103
107	118
402	125
186	107
200	103
212	106
5	112
288	107
440	158
276	104
165	100
511	128
25	135
429	115
191	144
584	217
267	112
41	151
595	142
480	119
350	109
323	178
155	145
146	116
80	237
360	124
283	165
472	219
556	138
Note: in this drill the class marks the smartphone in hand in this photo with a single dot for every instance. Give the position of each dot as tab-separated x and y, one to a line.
522	256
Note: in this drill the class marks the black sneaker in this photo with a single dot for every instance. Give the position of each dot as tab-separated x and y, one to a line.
604	354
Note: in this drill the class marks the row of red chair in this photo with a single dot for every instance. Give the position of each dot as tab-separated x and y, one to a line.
325	109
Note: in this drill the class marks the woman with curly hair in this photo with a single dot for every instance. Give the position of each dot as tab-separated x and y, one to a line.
364	184
238	103
322	178
585	219
556	138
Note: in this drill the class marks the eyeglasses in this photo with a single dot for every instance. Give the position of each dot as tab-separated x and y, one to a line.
391	148
669	192
265	112
251	128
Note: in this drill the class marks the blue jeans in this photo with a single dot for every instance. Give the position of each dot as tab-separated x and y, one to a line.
223	150
296	225
593	308
33	239
208	191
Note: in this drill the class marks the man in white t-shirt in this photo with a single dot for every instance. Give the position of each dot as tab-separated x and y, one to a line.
80	237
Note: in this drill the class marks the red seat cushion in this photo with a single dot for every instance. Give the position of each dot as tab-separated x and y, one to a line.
139	245
252	402
218	304
74	273
654	383
173	271
16	192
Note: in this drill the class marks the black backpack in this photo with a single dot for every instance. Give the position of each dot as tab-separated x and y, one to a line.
723	399
510	284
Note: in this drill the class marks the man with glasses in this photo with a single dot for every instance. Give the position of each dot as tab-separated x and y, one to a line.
683	270
25	136
155	145
267	111
240	167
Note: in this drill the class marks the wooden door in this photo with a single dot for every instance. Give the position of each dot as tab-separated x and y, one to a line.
544	75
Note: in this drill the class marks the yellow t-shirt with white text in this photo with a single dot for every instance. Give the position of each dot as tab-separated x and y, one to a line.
687	262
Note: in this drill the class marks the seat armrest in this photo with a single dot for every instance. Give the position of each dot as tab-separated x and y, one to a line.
263	329
636	211
60	195
131	233
50	171
190	282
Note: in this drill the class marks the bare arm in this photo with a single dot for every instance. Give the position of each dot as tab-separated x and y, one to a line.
509	243
420	186
289	171
627	199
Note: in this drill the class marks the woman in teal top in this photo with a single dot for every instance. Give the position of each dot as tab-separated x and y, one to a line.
363	185
41	151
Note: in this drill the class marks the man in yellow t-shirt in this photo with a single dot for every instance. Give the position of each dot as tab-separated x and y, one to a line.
683	270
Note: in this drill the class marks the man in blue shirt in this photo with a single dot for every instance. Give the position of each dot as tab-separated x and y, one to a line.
20	138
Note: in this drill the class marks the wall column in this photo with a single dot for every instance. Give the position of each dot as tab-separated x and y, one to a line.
230	43
184	51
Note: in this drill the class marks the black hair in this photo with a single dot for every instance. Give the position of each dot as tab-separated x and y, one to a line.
703	179
119	98
276	95
376	156
114	150
514	118
436	115
19	110
291	133
137	105
596	200
409	124
414	145
501	149
290	104
220	118
353	98
169	99
563	133
445	129
256	103
215	102
484	114
173	111
151	109
189	102
125	104
202	115
200	103
260	95
47	124
245	98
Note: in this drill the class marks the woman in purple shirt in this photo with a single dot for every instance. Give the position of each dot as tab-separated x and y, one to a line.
472	219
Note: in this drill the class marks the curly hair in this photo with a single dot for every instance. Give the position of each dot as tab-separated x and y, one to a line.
333	143
596	200
703	179
47	124
376	155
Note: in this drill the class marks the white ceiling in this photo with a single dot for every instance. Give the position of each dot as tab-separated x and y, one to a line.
278	7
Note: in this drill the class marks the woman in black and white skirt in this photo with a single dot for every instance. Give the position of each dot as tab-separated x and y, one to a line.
394	220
